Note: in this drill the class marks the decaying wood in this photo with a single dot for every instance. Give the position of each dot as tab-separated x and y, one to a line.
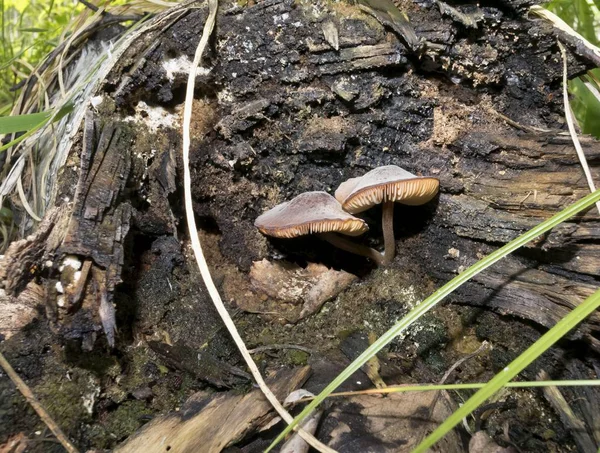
557	400
298	96
496	181
482	443
93	229
211	423
100	221
18	311
295	292
314	116
200	364
397	423
25	259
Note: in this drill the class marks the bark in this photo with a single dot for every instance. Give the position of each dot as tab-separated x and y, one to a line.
297	115
300	96
282	112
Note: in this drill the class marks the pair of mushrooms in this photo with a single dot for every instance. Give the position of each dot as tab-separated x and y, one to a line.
320	213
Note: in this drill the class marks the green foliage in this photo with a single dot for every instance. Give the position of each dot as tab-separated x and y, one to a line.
16	123
30	30
584	17
20	123
586	106
30	122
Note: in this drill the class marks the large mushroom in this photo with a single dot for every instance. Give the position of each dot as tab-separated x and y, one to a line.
387	185
316	213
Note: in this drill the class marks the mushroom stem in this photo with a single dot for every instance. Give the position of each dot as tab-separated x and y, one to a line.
353	247
387	223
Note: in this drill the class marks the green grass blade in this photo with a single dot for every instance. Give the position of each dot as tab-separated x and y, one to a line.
6	64
18	140
471	386
561	328
435	298
474	386
22	123
33	30
65	110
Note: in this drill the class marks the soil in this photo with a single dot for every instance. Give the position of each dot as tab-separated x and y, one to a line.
279	112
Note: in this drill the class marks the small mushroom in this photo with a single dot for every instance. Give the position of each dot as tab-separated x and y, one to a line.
386	185
316	213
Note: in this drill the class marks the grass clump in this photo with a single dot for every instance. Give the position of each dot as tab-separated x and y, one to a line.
30	31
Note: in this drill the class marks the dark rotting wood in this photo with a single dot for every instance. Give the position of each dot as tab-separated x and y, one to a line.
281	109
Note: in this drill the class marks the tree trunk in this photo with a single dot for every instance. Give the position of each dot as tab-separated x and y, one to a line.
300	96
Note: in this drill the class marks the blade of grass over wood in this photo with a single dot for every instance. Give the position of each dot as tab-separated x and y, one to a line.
437	297
561	328
467	386
571	124
45	118
26	135
563	26
22	123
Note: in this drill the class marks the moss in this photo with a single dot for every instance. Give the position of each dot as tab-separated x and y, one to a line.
96	361
126	419
266	337
138	359
171	390
345	333
99	437
296	357
63	399
106	108
115	393
435	360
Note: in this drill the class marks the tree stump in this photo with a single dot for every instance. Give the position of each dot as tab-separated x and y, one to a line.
298	96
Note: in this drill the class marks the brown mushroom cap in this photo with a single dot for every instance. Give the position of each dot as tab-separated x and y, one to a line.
388	183
308	213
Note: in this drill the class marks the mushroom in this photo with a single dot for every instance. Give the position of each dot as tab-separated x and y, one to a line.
387	184
316	213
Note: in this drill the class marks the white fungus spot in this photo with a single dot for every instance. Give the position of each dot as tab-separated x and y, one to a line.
96	101
72	261
153	117
175	66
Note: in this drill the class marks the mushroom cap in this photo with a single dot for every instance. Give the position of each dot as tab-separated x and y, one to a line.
308	213
387	183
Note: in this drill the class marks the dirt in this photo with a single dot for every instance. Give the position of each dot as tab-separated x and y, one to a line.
280	113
